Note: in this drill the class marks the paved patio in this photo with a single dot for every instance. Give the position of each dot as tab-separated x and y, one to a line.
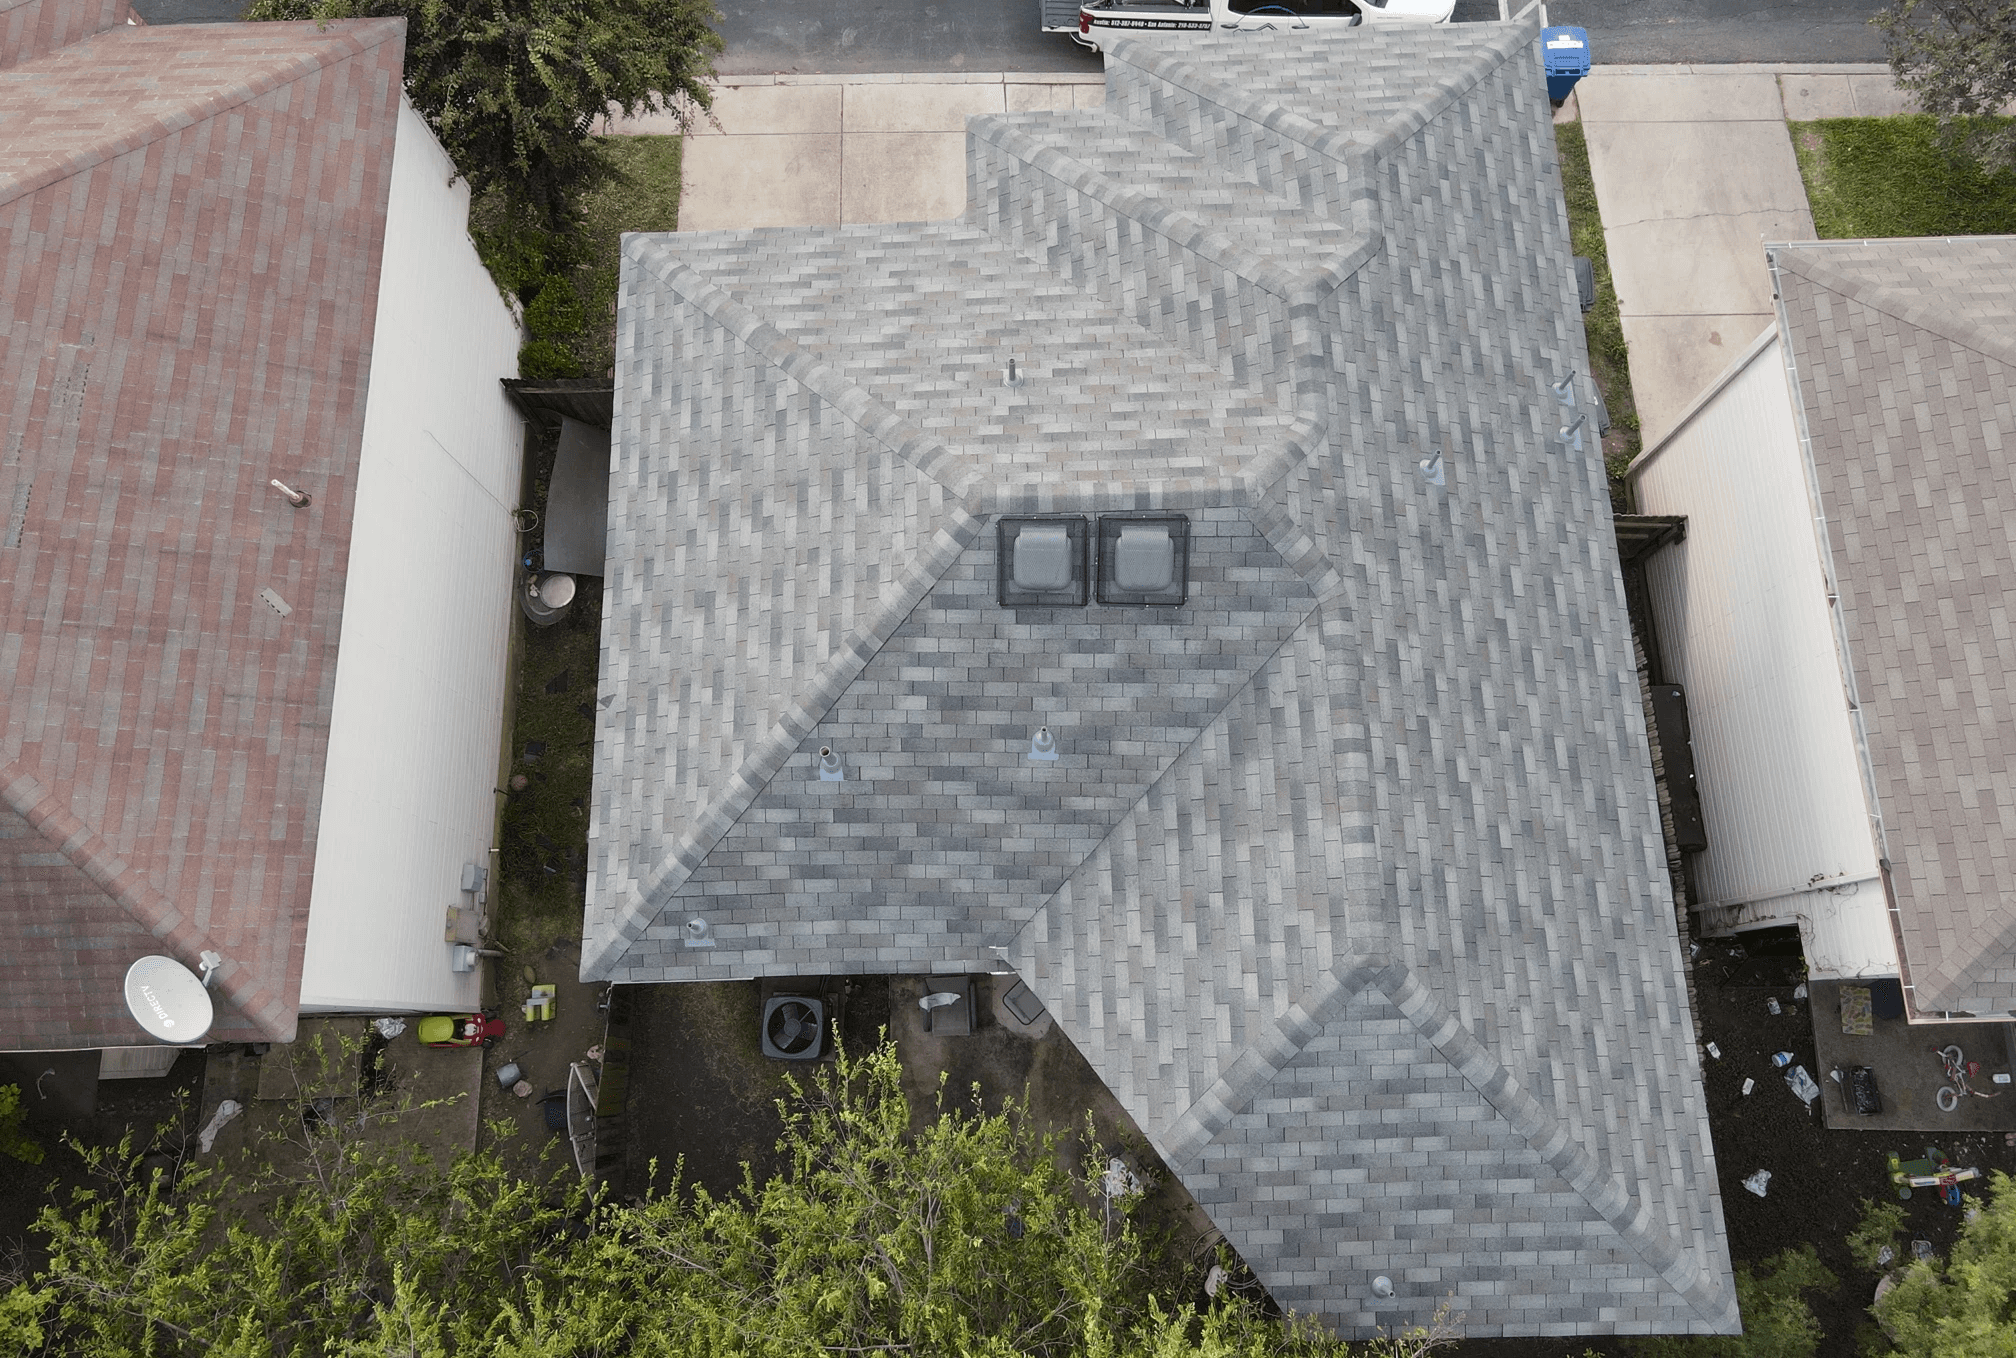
1908	1074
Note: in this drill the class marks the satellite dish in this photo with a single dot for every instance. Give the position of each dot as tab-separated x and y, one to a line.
167	1000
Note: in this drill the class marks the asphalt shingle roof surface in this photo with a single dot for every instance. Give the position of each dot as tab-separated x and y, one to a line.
190	220
1348	877
1905	355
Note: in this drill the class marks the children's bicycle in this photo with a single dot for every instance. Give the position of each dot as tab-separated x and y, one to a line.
1958	1068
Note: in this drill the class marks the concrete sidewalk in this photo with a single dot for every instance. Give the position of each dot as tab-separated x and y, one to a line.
1694	170
827	150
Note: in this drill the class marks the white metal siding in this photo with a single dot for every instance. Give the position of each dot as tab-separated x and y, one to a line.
1742	616
420	676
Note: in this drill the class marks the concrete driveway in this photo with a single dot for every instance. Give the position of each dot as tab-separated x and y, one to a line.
824	150
1694	170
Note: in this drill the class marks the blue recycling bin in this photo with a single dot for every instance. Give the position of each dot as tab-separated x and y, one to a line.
1564	52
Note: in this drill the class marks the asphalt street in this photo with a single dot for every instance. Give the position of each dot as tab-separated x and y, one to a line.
846	37
855	36
190	11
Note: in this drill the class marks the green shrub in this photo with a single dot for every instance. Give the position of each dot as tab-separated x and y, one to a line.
544	358
1777	1323
14	1140
1881	1223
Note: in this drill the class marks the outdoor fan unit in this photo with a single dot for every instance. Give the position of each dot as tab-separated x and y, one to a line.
794	1028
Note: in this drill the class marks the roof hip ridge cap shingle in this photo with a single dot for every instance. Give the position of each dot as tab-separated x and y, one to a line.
902	436
28	797
1444	94
1009	133
1270	113
1265	1057
1558	1145
1802	261
602	954
1948	983
358	36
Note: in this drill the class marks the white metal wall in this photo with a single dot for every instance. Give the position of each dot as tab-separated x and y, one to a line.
420	675
1742	616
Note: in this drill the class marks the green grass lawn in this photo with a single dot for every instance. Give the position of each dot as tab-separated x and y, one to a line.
644	197
1607	354
1892	177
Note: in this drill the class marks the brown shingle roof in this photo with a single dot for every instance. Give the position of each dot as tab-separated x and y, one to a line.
1905	366
29	28
191	220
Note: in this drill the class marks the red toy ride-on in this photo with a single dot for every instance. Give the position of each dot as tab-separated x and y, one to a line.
460	1030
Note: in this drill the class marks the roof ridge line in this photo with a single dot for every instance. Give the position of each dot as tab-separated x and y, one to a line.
1233	1092
1142	206
1253	678
1438	98
122	884
1951	976
1908	307
1556	1144
1295	544
645	898
358	37
867	412
1271	114
1435	98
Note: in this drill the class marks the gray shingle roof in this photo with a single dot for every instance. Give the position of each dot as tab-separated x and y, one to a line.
1348	880
1905	359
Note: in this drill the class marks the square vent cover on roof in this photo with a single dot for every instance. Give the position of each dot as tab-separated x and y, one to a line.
1144	558
1043	562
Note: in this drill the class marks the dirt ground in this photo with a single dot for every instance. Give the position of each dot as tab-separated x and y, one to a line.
1819	1177
69	1105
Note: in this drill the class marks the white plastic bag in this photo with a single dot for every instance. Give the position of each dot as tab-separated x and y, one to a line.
389	1028
226	1110
1802	1084
1758	1182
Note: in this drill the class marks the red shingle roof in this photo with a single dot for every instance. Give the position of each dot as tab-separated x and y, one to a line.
190	230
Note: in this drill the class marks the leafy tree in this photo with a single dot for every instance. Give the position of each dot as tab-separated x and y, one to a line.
1876	1232
513	87
1777	1323
1965	1305
14	1140
972	1234
1958	57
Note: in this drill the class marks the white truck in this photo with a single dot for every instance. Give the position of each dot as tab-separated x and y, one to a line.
1090	21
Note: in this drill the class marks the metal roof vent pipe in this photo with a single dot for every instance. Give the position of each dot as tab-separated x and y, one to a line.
1043	745
1431	469
1564	390
1016	374
1382	1286
300	499
699	933
1571	434
830	770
